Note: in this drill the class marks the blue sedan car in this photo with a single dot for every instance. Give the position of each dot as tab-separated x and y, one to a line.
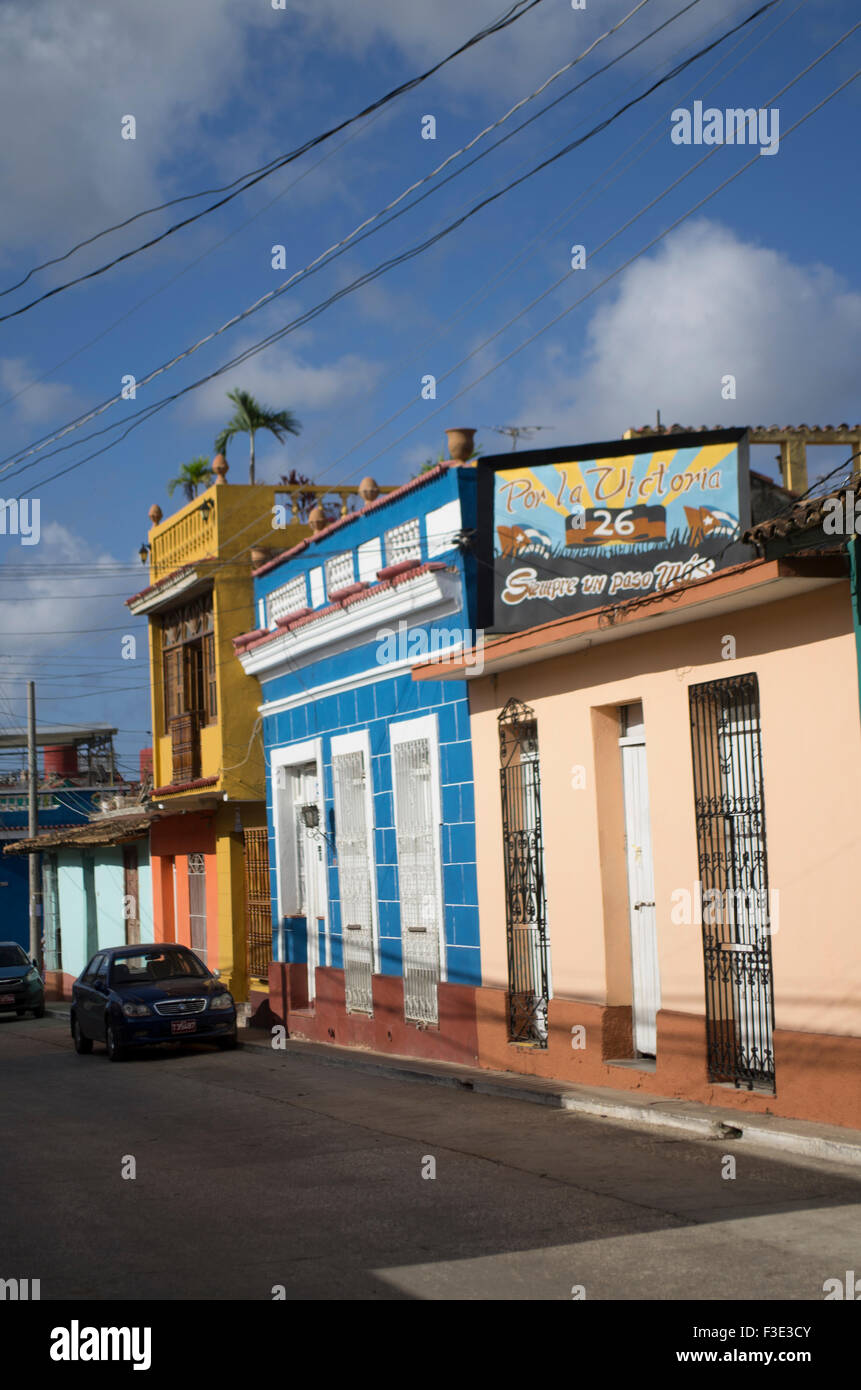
136	996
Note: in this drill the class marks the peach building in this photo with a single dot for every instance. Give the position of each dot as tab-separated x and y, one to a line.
668	844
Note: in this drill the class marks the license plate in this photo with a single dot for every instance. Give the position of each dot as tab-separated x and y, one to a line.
183	1025
7	999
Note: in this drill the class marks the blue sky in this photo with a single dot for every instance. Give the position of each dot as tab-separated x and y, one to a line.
761	283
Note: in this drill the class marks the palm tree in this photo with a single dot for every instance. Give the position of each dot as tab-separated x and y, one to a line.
250	417
191	477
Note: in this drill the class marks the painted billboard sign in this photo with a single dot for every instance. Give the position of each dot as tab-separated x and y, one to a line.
581	528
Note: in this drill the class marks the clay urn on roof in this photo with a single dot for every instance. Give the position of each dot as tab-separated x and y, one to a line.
220	468
317	518
155	514
461	444
369	490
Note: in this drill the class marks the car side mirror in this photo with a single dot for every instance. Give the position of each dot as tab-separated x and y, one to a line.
216	974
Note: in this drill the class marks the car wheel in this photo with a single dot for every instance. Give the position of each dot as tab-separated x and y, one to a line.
39	1012
82	1045
19	1013
227	1044
115	1051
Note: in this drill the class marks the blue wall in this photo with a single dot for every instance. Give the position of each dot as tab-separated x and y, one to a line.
83	931
71	806
373	706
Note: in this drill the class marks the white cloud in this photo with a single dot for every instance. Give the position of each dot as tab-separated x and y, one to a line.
28	398
506	64
705	305
37	610
282	380
76	69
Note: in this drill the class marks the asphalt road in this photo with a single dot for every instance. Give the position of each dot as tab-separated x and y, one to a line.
258	1169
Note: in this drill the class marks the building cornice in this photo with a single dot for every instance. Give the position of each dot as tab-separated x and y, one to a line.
430	593
181	584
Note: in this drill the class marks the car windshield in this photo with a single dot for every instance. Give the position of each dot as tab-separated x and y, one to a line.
148	967
12	955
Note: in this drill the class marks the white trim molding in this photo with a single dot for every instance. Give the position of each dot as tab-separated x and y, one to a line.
284	760
432	594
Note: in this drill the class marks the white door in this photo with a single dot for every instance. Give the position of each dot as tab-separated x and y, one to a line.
310	865
417	832
646	980
355	866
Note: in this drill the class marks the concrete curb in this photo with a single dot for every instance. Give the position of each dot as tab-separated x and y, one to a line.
798	1137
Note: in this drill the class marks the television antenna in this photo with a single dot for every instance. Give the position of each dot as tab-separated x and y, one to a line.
517	432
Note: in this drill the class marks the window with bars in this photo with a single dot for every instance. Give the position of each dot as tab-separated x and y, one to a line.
339	572
287	599
523	854
197	903
404	542
188	662
729	807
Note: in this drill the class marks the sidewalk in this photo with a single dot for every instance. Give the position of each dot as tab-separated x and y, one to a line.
799	1137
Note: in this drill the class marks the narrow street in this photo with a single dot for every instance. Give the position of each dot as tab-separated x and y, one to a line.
255	1170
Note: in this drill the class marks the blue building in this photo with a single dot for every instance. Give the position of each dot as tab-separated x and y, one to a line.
78	772
96	888
369	774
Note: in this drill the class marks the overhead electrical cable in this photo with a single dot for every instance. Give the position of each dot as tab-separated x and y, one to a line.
356	236
246	181
365	278
589	293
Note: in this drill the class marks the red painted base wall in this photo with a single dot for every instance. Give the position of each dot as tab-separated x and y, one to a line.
328	1021
57	985
816	1073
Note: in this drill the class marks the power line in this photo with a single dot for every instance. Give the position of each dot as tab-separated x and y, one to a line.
359	282
469	305
197	260
337	249
246	181
630	260
643	249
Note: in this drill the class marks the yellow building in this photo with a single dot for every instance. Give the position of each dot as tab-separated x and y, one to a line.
209	848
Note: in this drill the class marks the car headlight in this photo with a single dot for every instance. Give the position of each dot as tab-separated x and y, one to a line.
136	1010
221	1001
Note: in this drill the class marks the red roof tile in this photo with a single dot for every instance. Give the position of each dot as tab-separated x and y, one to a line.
168	579
381	501
184	786
251	640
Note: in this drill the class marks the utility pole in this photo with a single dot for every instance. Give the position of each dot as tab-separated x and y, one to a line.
33	830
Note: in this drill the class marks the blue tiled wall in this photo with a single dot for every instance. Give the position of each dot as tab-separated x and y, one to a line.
373	706
322	718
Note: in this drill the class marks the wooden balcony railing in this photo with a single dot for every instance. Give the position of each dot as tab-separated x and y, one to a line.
196	534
